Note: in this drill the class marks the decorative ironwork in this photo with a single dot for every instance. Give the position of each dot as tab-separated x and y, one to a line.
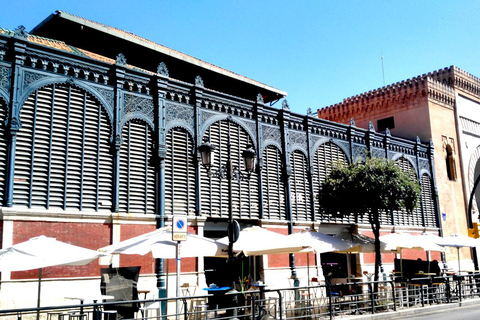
359	152
298	138
162	69
179	112
199	81
206	115
424	165
260	99
107	94
4	75
21	32
31	77
121	60
136	104
271	133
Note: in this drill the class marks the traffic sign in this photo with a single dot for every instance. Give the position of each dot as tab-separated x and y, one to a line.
179	228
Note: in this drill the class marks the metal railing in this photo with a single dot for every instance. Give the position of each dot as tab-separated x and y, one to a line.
309	302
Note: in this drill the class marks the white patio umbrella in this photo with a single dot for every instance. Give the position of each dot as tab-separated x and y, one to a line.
458	241
319	243
359	243
256	241
397	241
40	252
161	245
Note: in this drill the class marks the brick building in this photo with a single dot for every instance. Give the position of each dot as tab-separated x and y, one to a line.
99	143
443	107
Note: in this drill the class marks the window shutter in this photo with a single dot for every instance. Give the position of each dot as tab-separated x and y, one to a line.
273	186
137	177
179	174
3	149
428	203
300	194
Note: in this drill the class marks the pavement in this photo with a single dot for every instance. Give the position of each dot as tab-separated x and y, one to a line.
414	311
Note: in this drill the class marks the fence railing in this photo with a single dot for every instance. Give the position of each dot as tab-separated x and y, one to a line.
321	301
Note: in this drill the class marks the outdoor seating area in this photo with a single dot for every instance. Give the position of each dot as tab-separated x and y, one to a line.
323	300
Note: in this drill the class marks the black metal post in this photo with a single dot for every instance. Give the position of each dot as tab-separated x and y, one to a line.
230	202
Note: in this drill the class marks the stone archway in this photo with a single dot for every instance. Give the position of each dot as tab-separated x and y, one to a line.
473	173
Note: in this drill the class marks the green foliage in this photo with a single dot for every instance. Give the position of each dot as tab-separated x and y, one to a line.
368	187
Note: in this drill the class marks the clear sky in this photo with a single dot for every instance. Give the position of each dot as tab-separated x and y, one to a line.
319	52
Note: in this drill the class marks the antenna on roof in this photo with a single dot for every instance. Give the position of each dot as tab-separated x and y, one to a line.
383	70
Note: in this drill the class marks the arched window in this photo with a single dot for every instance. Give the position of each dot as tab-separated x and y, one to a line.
179	173
450	163
401	217
299	187
326	157
273	186
63	157
214	191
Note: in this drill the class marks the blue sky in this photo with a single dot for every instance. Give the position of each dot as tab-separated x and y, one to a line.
319	52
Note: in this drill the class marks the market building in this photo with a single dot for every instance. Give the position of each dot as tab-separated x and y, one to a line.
100	141
442	106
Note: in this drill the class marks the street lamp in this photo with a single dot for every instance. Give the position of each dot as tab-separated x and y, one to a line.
229	172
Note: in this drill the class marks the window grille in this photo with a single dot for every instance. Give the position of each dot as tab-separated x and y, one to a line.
137	174
273	186
214	191
179	173
299	187
62	156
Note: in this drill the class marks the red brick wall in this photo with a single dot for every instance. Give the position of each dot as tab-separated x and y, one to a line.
91	236
278	260
87	235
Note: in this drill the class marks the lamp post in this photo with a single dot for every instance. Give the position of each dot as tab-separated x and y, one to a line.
229	172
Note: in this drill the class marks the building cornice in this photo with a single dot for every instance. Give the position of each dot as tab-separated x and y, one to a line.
436	86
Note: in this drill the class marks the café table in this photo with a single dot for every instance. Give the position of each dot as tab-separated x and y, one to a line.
218	295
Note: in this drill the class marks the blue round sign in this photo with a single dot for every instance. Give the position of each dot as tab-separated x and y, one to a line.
180	224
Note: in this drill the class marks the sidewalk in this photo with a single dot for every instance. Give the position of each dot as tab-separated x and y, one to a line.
408	312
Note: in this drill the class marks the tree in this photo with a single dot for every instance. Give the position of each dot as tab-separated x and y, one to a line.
370	187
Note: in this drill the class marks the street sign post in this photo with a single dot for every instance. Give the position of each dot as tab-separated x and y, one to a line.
179	234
